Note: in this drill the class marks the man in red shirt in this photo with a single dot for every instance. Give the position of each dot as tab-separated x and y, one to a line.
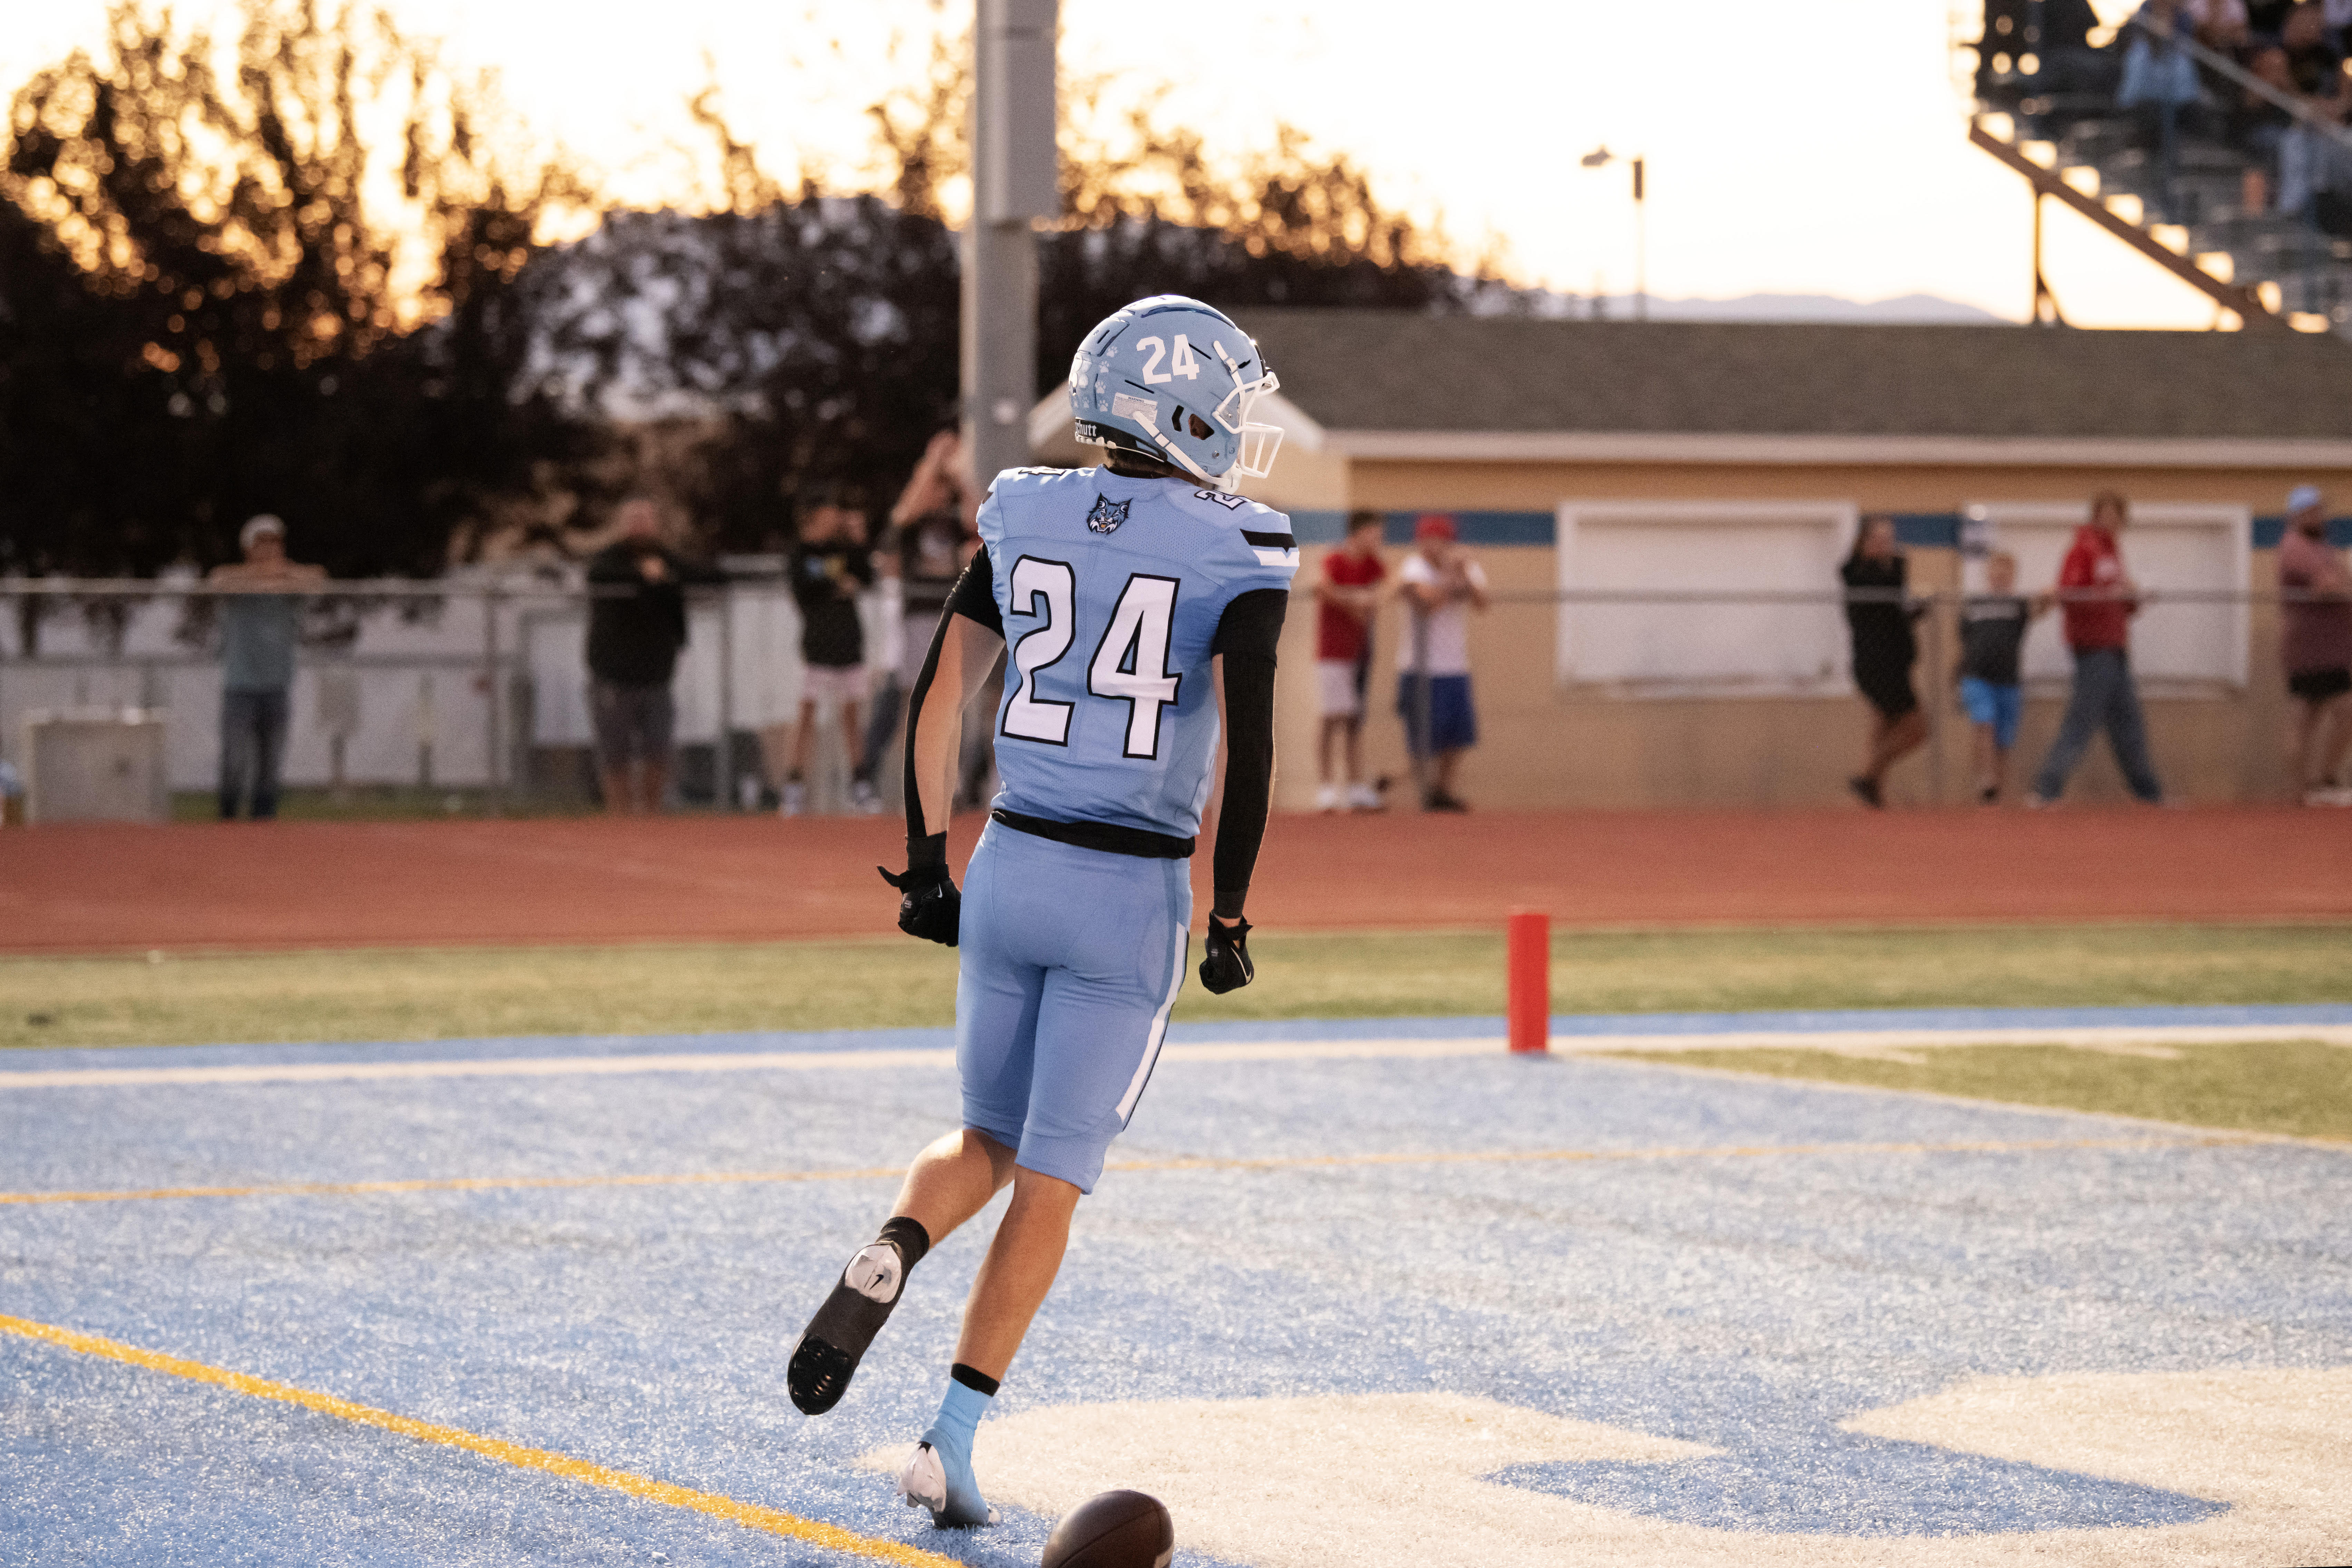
1347	598
2100	600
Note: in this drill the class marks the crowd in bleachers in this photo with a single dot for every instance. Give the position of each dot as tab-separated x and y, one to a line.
2266	79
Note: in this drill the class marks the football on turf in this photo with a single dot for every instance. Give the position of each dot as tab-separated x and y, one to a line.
1117	1530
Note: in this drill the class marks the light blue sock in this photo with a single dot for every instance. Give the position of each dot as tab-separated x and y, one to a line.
950	1435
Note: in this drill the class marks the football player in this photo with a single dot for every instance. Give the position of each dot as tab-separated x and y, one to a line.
1141	602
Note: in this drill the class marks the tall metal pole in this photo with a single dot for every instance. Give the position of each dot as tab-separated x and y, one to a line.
722	765
491	739
1015	180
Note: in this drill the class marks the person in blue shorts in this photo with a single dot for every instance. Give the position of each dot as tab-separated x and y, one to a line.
1139	601
1993	636
1440	585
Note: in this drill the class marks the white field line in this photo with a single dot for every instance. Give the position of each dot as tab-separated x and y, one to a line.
682	1062
2161	1041
2127	1039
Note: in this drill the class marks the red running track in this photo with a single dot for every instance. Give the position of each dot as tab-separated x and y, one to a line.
91	888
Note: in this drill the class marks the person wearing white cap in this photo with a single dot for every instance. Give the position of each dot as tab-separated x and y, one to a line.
2315	649
260	621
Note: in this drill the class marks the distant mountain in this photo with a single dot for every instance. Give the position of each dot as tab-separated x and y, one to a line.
1915	309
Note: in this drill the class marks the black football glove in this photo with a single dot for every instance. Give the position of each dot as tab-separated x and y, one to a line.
928	905
1228	966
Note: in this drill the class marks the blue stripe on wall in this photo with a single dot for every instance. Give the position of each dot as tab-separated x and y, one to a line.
2269	531
1396	527
1921	530
1928	529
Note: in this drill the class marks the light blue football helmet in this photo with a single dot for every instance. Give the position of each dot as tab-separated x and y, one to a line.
1173	379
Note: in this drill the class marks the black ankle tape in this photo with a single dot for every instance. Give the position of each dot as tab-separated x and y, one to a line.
909	1237
979	1380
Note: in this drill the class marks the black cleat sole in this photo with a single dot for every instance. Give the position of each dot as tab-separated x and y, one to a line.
818	1375
831	1345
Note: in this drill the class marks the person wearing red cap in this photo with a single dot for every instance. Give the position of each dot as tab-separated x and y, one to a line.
1441	586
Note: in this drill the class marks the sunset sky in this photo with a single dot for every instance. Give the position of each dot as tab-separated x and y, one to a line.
1817	149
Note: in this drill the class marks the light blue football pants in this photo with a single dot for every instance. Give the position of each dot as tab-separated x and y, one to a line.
1071	959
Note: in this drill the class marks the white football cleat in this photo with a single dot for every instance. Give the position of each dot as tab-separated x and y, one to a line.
1327	798
923	1483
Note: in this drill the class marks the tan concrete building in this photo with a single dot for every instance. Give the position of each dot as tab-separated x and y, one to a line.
1596	466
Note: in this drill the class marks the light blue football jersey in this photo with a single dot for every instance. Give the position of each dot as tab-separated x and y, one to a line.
1112	589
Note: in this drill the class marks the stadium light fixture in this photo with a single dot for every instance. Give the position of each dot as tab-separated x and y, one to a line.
1601	157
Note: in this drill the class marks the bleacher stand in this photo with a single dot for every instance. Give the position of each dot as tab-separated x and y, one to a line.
2231	118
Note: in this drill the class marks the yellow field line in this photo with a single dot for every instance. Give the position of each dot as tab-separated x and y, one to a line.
453	1185
1267	1163
749	1515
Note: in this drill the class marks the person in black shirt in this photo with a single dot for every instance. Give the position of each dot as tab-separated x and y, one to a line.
829	568
1992	636
636	623
931	534
1879	613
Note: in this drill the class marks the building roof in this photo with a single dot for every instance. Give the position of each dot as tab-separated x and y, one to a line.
1368	372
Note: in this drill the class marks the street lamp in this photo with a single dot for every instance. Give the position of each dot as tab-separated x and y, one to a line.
1601	157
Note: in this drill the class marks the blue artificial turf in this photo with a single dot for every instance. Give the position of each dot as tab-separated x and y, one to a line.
1751	1303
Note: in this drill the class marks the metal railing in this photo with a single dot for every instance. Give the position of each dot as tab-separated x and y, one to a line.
1526	666
509	611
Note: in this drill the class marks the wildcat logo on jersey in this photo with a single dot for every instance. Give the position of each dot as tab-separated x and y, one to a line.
1108	514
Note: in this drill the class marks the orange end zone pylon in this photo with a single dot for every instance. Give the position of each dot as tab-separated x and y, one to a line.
1530	984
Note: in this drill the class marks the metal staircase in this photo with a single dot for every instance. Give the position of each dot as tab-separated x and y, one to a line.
2046	107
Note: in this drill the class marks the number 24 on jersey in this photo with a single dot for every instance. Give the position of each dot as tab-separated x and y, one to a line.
1129	664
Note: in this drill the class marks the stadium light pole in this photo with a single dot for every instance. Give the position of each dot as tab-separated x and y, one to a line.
1601	157
1017	180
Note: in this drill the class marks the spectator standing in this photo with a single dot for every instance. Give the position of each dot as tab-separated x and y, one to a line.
932	533
637	624
886	650
2099	600
830	568
1879	613
1348	597
1992	640
261	625
937	524
2316	648
1441	586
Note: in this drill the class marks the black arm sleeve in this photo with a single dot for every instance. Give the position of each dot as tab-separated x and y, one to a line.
1247	636
974	597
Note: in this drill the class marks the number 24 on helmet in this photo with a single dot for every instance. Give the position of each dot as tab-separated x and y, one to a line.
1174	380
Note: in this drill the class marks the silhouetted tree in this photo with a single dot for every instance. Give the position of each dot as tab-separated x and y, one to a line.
261	329
820	334
821	331
216	297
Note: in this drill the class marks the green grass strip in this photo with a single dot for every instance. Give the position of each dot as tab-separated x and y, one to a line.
397	993
2297	1087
